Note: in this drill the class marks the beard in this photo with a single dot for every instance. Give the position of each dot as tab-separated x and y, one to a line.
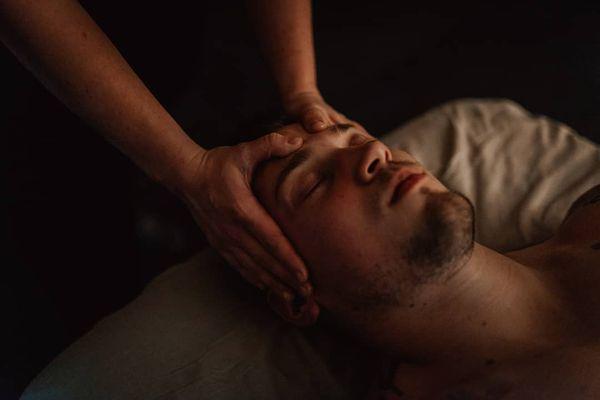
441	245
444	242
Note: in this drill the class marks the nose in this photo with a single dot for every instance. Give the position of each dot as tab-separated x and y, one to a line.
375	155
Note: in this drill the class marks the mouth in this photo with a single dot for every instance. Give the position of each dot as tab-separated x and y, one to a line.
404	182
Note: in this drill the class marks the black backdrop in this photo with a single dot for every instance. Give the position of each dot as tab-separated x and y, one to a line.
85	230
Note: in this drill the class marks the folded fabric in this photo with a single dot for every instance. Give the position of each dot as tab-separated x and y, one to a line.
199	332
521	171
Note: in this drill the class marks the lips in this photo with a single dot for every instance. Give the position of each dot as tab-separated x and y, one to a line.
404	184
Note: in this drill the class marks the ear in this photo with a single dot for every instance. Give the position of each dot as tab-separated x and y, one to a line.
303	313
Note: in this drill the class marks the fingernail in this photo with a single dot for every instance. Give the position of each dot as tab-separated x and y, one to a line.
318	125
295	141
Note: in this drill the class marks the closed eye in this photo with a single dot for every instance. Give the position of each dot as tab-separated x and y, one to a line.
320	179
314	187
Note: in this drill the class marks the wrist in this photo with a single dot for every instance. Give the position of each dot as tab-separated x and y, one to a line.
179	176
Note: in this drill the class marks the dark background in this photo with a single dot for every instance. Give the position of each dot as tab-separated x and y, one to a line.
85	230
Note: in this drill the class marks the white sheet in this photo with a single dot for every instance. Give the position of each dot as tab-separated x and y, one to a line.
521	171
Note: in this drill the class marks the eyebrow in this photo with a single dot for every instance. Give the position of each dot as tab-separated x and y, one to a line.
341	128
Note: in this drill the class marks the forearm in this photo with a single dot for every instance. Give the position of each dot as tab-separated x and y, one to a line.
59	42
285	31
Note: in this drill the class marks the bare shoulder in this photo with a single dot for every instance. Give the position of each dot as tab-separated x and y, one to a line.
570	373
582	221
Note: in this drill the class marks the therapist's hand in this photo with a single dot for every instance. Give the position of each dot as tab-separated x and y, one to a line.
217	191
312	111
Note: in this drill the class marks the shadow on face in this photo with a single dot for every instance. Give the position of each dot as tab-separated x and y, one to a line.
370	222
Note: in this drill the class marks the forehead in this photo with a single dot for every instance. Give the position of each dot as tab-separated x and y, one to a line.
265	171
297	130
329	135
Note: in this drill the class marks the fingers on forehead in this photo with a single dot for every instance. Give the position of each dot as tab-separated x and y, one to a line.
295	129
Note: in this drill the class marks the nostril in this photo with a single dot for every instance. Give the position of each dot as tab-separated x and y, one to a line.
372	166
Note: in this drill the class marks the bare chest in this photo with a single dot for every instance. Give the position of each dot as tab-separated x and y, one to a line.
571	260
570	373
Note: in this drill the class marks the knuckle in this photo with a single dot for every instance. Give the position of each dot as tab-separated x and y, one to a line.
275	286
272	141
274	244
266	278
284	276
229	233
260	258
272	138
241	213
267	265
244	155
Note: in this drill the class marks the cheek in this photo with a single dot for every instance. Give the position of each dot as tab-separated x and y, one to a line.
334	239
336	221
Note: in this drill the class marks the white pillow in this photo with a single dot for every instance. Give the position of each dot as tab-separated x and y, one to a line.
521	171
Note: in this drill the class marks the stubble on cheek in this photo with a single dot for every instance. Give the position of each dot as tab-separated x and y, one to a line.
381	288
444	239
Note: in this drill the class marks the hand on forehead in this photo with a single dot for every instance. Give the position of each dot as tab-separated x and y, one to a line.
341	134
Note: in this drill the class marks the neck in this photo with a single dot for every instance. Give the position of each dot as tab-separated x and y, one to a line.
491	310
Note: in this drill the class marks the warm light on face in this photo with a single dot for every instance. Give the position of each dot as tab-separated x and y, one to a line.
340	199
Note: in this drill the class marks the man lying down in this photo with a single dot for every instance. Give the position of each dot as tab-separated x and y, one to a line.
393	260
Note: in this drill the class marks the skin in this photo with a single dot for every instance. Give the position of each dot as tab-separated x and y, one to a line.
65	49
350	207
366	232
481	323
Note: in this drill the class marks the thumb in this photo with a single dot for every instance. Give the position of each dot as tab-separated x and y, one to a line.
273	145
315	119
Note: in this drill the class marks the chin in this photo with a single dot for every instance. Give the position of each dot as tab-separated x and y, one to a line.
444	242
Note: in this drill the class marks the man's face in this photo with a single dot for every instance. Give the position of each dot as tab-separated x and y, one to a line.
370	222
